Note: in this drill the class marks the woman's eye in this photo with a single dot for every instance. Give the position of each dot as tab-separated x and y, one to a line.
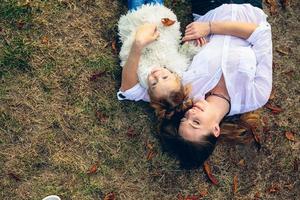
165	77
154	83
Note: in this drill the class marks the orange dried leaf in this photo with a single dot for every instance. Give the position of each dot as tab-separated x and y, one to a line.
273	188
209	174
257	195
241	163
113	46
290	135
131	133
93	169
203	193
235	184
97	75
272	5
44	40
109	196
274	109
167	21
150	155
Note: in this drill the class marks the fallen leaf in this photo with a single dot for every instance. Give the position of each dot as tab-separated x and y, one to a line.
109	196
273	188
290	135
272	6
14	176
167	21
93	169
130	132
101	117
285	3
44	40
203	193
150	155
150	145
289	73
257	195
97	75
274	109
235	184
241	163
179	196
20	25
113	46
296	166
192	197
209	174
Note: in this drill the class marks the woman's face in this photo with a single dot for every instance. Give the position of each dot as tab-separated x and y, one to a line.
162	82
198	122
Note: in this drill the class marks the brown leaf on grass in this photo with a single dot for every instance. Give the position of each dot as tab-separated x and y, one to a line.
192	197
179	196
20	25
283	50
266	126
101	117
286	3
289	73
113	46
211	177
272	6
203	193
44	40
97	75
130	132
257	196
235	184
241	163
290	135
167	21
14	176
109	196
150	155
274	109
273	188
93	168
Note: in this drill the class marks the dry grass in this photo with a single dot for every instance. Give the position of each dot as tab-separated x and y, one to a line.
50	134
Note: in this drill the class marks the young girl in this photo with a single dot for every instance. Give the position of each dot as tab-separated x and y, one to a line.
157	64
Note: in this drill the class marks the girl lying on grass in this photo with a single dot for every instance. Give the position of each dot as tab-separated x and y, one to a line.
152	58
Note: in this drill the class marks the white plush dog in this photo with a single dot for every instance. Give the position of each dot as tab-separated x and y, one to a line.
165	52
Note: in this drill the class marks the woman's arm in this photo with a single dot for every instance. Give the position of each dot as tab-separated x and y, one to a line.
201	29
145	35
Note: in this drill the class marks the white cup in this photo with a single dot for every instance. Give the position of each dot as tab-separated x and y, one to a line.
52	197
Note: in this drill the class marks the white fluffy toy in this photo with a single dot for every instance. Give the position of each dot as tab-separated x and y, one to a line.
166	51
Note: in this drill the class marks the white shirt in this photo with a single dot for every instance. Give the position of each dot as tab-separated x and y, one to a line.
246	64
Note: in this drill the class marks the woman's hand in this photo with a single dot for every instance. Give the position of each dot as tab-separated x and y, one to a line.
196	30
146	34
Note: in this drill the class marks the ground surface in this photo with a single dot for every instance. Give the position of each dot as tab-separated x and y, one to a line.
62	130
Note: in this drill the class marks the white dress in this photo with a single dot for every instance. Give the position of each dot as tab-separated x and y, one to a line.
245	64
165	52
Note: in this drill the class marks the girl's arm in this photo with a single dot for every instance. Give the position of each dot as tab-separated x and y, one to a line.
196	30
145	35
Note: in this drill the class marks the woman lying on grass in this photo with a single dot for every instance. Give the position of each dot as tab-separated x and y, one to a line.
235	76
152	58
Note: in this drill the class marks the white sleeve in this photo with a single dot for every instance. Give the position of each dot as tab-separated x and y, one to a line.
135	93
261	42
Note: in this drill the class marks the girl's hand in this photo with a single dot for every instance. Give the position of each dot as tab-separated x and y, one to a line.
196	30
146	34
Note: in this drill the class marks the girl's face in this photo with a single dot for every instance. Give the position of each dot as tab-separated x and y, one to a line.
162	82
